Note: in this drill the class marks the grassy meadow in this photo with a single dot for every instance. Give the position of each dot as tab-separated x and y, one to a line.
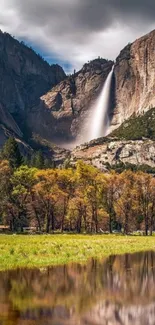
47	250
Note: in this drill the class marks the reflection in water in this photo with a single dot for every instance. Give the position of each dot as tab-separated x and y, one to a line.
117	291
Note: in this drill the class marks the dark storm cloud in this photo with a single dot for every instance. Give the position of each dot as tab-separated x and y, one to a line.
103	13
76	24
86	14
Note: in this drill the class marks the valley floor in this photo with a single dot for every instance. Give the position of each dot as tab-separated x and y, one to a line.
46	250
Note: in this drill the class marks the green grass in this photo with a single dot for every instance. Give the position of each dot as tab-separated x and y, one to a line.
47	250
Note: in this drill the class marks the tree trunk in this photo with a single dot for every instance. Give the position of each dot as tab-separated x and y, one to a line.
126	224
110	227
13	228
85	218
151	225
62	224
96	221
78	227
63	217
152	220
47	223
37	218
53	221
146	225
35	210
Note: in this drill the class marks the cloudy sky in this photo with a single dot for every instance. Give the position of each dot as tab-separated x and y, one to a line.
71	32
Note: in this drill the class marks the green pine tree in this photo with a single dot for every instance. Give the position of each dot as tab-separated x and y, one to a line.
47	163
32	160
26	161
37	160
11	152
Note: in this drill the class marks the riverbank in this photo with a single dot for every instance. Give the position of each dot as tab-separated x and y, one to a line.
47	250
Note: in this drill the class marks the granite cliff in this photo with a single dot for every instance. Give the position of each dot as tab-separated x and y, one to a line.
65	106
133	88
135	79
39	100
25	76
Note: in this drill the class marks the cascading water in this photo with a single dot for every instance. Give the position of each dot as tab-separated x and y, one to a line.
99	120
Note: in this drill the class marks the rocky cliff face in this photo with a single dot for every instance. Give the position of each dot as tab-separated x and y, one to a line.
104	153
133	90
39	100
135	79
25	76
65	106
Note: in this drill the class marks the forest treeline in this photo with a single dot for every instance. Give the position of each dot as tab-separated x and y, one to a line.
79	199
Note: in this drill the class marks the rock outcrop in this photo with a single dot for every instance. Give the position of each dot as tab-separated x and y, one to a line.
135	79
108	152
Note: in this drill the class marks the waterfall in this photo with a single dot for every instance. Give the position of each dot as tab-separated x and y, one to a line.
99	120
96	122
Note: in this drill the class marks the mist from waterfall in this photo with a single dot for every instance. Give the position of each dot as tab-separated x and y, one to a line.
98	121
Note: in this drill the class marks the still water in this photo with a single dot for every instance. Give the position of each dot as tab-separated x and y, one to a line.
120	290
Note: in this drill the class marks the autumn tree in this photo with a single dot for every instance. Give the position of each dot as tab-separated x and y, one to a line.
48	194
109	194
22	182
76	213
87	182
66	183
152	206
146	199
126	203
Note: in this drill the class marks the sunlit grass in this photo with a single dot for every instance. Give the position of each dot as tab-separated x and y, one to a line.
45	250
